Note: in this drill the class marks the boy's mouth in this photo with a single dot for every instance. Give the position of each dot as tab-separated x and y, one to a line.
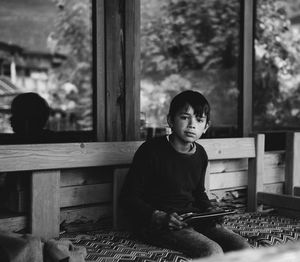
191	134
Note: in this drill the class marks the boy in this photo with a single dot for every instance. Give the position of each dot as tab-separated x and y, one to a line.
166	179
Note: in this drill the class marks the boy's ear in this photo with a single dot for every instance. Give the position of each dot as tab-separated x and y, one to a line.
169	120
206	127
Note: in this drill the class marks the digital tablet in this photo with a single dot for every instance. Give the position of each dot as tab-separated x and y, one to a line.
193	217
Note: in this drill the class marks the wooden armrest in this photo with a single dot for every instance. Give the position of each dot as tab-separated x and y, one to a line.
279	200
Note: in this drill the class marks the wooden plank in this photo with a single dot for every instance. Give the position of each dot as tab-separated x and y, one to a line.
229	148
279	200
99	70
69	155
297	191
228	165
13	223
85	214
275	188
73	155
274	158
87	194
292	177
85	176
45	210
132	69
255	173
273	174
228	180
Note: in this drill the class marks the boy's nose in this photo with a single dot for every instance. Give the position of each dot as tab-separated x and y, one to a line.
192	122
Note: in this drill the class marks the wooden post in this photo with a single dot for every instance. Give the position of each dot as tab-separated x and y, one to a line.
119	176
132	69
45	208
292	163
245	101
255	173
207	180
99	70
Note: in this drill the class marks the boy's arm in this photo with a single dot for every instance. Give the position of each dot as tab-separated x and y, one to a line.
134	188
201	199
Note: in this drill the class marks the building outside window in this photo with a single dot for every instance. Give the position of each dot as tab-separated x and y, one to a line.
46	47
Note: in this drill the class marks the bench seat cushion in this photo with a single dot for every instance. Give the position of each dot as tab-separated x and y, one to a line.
259	229
120	246
264	229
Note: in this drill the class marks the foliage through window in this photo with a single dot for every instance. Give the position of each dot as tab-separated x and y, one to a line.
276	94
190	44
46	47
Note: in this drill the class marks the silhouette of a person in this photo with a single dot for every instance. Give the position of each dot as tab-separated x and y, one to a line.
30	113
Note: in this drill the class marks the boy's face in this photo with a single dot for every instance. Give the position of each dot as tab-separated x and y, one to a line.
186	126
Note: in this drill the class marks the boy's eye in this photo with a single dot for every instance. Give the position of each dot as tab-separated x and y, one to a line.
184	117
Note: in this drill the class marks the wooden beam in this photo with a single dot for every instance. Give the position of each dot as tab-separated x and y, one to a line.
279	200
45	209
245	105
255	173
115	88
132	69
99	69
292	162
119	179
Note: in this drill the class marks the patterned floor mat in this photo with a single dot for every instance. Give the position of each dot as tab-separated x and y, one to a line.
118	246
114	246
264	229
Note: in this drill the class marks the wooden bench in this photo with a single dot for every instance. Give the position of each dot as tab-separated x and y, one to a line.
287	200
234	163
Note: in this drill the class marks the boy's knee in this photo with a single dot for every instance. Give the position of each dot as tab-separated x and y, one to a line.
208	249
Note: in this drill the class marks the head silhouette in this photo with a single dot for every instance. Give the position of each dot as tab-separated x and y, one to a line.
30	113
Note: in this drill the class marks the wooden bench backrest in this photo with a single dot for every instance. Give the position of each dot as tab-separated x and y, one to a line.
72	155
46	161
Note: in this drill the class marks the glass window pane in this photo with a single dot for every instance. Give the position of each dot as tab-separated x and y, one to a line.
276	103
190	44
46	48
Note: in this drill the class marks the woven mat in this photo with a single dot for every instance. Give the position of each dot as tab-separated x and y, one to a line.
264	229
117	246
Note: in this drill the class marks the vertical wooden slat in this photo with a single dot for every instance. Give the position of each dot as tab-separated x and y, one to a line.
207	180
245	116
292	162
114	70
255	173
132	69
119	176
45	209
99	68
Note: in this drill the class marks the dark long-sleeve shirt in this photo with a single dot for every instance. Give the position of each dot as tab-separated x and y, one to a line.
160	178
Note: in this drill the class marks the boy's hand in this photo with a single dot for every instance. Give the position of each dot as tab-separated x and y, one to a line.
175	222
171	221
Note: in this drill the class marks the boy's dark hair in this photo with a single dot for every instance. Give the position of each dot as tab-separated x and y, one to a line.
190	98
